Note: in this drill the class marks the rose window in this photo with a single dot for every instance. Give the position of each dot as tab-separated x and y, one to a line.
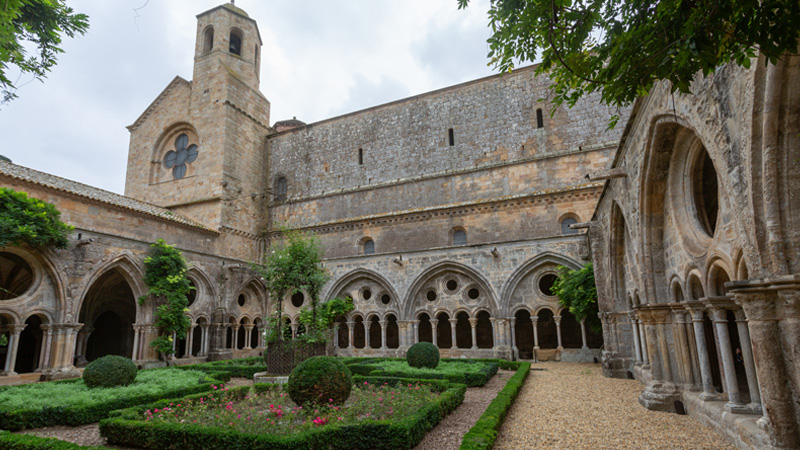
182	155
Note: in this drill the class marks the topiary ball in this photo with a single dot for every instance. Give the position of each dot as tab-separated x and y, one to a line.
318	380
110	371
423	355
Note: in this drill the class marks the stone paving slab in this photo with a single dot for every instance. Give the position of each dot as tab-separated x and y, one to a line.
572	406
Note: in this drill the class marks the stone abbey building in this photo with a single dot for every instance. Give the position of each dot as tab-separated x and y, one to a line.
445	216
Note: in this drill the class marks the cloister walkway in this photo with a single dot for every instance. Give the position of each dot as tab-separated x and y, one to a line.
572	406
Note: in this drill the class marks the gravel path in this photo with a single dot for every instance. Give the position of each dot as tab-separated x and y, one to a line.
573	406
449	432
83	435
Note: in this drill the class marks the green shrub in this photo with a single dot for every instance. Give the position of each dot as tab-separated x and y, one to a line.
318	379
10	441
423	354
110	371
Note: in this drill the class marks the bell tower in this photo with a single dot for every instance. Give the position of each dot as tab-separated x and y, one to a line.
198	149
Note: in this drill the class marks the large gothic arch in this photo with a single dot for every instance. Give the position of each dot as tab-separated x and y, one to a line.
545	258
432	275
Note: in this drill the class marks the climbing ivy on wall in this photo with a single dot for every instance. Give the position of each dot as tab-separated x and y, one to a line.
291	266
165	276
28	220
577	291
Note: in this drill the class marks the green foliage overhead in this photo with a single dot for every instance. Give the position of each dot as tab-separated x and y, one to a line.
28	220
33	25
322	380
577	291
110	371
294	265
327	312
165	276
622	48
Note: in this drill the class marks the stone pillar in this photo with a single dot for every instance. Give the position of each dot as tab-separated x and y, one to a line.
13	347
351	335
493	321
83	340
720	319
661	316
514	351
453	323
535	323
583	335
643	343
415	327
367	340
635	332
434	332
44	353
684	362
557	320
136	336
294	327
248	337
760	305
696	311
383	324
335	335
473	322
749	363
652	341
189	339
204	344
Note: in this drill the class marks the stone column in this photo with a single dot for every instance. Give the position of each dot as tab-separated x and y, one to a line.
415	327
583	335
44	351
434	332
13	346
643	338
136	332
513	322
652	341
335	334
681	344
204	346
294	327
473	322
493	321
351	334
189	339
248	337
557	320
383	324
719	317
761	309
749	363
453	323
635	332
535	323
367	340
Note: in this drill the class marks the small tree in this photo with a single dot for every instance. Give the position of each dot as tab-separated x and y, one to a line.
28	220
165	276
577	291
293	266
327	312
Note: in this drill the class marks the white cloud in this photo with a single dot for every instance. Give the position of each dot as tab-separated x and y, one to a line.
320	59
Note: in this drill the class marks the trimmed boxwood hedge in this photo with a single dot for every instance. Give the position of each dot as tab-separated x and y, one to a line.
126	428
20	419
423	355
10	441
470	379
483	434
229	368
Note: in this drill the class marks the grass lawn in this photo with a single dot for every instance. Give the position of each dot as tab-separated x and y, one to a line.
55	394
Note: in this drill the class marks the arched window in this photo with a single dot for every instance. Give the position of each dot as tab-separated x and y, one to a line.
281	186
369	247
459	237
565	223
208	39
235	44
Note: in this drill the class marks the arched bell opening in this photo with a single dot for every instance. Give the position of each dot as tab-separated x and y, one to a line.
392	332
425	329
546	326
374	332
523	334
444	332
463	331
571	336
108	313
30	349
484	334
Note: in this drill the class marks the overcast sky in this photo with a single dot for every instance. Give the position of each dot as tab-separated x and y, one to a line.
321	58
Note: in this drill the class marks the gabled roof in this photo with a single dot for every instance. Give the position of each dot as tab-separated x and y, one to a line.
94	194
174	83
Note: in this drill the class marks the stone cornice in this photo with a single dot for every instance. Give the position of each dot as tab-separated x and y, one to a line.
590	190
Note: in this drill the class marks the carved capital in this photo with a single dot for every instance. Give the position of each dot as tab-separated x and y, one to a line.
473	322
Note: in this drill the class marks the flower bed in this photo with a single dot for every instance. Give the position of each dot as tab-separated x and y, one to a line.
469	372
391	414
70	402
